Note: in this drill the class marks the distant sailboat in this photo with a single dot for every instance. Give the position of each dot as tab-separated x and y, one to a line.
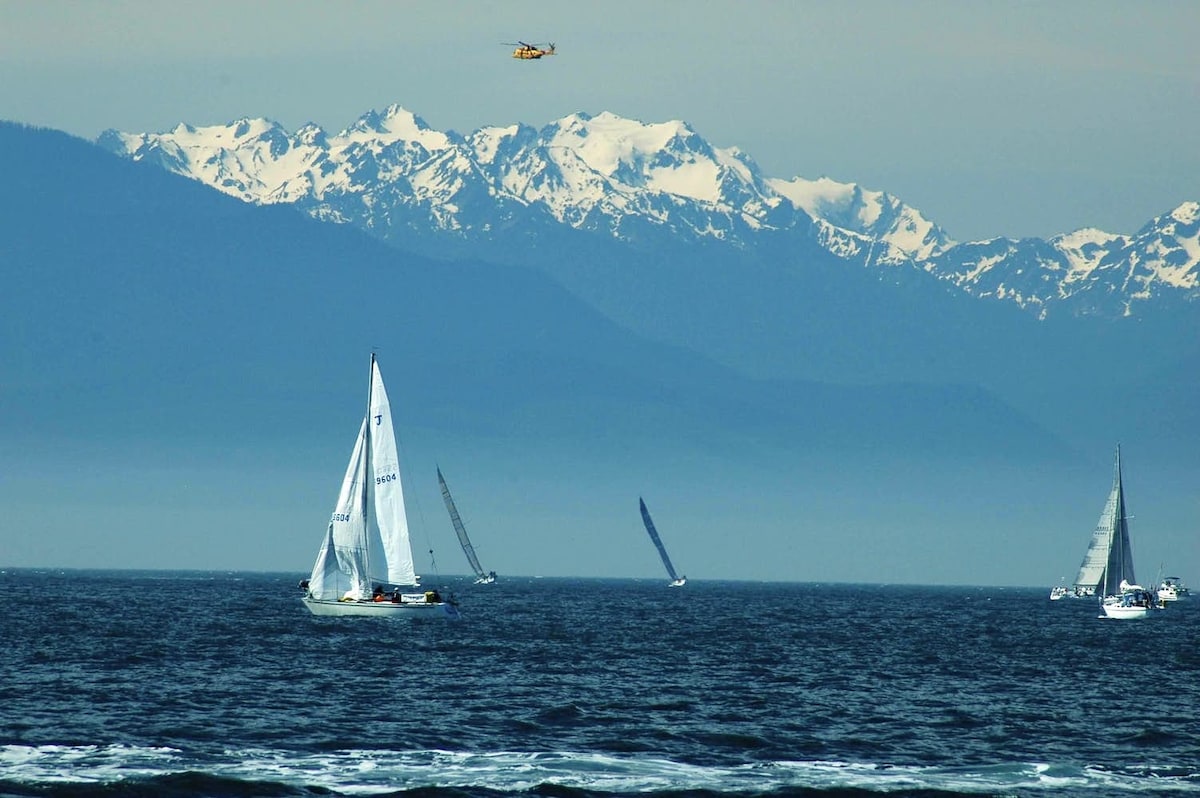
481	577
1107	568
366	556
676	580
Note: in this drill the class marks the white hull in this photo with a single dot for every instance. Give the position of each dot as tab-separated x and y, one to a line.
679	582
1172	590
486	580
1119	611
381	609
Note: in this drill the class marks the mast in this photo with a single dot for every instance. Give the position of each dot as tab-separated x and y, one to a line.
367	474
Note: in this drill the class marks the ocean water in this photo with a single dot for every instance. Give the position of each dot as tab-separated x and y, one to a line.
222	684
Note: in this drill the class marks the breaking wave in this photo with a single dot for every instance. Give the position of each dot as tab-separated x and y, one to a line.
134	771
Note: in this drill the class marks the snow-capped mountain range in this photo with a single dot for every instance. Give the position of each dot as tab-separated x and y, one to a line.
394	176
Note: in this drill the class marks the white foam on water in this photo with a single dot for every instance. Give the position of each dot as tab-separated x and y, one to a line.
369	771
99	764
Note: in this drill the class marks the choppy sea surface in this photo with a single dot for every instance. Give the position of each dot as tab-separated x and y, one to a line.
222	684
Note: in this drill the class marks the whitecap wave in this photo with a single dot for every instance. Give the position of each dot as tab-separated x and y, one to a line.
369	771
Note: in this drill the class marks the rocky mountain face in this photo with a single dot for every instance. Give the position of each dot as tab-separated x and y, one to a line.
657	188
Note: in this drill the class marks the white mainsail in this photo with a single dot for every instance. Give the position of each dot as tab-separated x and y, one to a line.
391	559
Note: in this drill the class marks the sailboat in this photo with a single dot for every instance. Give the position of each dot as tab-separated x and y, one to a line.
1107	568
676	580
365	564
481	577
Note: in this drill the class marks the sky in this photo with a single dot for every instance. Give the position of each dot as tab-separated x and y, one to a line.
1014	119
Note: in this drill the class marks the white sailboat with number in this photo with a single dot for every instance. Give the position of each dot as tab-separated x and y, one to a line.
365	564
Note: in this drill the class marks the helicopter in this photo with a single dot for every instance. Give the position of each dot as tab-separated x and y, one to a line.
530	52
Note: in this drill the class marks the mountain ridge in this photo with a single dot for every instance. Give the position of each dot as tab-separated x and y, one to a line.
392	174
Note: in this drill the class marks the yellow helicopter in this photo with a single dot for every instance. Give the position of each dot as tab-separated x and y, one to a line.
530	52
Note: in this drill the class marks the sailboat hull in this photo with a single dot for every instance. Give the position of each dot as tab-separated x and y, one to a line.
381	609
1120	611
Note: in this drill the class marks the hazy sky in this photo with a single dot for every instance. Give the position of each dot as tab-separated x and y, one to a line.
1011	119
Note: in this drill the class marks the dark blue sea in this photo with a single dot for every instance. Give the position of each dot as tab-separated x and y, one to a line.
222	684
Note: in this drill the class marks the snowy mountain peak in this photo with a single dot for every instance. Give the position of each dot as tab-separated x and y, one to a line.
311	135
875	214
395	124
608	143
1187	213
489	142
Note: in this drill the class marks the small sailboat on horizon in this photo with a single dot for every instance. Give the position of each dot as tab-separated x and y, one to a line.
481	577
676	580
365	563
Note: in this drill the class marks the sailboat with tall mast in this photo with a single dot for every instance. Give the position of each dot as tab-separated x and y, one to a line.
481	577
676	580
365	564
1107	568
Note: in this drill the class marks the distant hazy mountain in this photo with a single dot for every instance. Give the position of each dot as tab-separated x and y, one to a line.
500	191
138	303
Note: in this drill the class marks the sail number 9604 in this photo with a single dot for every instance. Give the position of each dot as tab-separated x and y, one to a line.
341	516
386	478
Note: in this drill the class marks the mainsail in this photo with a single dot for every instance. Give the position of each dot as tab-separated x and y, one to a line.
1109	558
662	552
459	529
391	553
